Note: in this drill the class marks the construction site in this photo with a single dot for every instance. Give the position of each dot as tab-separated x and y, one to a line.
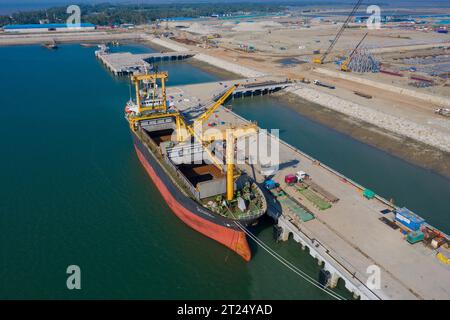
394	77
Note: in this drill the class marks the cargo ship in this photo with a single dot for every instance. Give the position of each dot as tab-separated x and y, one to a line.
211	196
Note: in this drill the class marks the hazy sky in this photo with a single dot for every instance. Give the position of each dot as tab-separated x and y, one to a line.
46	2
19	3
14	5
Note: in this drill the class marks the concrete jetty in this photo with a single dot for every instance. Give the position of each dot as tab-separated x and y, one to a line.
123	63
191	105
347	239
257	86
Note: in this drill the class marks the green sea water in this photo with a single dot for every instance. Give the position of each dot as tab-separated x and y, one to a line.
74	192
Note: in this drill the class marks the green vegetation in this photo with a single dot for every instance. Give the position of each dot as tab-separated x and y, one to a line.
314	198
295	208
112	14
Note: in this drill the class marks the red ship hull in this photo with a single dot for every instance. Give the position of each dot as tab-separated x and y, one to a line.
228	235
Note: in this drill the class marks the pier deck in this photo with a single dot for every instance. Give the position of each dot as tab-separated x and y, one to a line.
186	100
122	63
348	237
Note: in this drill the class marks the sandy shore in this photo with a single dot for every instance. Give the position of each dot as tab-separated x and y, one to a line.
219	72
69	37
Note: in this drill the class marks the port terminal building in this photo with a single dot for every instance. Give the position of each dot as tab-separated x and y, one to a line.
48	27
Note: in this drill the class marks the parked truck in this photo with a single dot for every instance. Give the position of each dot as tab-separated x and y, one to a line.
322	84
270	184
443	112
301	175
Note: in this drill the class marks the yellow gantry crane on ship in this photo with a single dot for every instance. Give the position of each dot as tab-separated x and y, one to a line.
136	79
157	109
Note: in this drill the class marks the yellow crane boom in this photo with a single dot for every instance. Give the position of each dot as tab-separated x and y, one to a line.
200	120
185	131
230	135
181	124
193	130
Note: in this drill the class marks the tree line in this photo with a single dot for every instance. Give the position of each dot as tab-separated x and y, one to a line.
111	14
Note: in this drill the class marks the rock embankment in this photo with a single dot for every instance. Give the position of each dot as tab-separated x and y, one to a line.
392	123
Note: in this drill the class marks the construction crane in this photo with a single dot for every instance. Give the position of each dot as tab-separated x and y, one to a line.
205	116
184	131
230	135
321	60
344	65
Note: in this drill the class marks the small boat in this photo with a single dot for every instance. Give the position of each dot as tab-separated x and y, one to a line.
362	94
88	45
51	46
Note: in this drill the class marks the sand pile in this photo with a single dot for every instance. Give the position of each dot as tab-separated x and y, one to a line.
256	26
